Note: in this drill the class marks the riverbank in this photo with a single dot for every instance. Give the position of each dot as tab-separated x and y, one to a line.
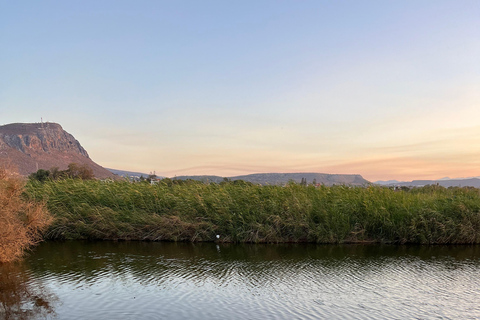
242	212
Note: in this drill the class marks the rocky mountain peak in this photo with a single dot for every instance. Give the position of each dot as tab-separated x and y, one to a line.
33	146
46	137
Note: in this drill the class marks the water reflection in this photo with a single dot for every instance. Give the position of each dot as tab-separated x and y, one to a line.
21	296
86	261
142	280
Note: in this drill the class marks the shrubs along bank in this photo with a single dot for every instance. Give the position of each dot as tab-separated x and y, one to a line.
243	212
74	171
21	220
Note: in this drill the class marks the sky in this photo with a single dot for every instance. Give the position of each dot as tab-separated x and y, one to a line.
385	89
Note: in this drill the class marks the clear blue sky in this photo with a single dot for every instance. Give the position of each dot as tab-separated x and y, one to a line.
386	89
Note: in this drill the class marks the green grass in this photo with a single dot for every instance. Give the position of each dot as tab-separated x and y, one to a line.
242	212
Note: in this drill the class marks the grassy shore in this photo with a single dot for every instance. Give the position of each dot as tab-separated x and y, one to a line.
242	212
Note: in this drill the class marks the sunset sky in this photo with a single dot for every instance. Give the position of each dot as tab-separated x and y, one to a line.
385	89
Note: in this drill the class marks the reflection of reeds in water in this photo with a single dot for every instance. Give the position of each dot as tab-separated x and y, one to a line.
21	221
21	297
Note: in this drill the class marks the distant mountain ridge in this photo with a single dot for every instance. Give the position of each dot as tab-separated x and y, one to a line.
459	182
130	174
33	146
283	178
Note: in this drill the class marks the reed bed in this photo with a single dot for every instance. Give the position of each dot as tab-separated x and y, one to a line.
242	212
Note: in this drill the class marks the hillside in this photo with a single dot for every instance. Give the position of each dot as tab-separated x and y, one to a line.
283	178
32	146
130	174
471	182
203	178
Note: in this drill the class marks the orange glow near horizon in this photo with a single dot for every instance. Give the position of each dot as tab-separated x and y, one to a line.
384	89
402	169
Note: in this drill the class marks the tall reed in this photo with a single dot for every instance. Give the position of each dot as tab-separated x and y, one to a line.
243	212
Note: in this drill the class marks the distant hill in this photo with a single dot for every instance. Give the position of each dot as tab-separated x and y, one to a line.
129	174
33	146
283	178
216	179
469	182
387	182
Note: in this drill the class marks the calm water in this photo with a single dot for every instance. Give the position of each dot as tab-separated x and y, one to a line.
144	280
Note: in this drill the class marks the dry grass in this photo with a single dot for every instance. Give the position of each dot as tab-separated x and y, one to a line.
21	221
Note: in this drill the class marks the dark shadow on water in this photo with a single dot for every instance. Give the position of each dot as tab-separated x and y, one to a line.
146	259
22	296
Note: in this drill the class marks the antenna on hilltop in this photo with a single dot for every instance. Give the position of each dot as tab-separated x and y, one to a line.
41	121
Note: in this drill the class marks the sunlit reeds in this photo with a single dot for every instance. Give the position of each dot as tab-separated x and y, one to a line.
242	212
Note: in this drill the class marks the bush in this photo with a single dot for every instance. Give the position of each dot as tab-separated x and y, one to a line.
74	171
21	221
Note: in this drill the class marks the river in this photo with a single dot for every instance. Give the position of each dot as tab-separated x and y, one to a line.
160	280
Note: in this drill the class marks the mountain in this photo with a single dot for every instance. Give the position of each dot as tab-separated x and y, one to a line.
460	182
32	146
130	174
388	182
283	178
216	179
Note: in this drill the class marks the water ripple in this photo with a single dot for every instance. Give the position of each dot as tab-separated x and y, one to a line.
178	281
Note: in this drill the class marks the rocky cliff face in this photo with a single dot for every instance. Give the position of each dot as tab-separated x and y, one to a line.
33	146
31	138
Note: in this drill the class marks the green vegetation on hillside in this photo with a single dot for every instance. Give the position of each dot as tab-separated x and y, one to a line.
242	212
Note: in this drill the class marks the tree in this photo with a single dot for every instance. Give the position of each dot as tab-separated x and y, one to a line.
303	182
41	175
79	171
55	173
151	176
74	171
